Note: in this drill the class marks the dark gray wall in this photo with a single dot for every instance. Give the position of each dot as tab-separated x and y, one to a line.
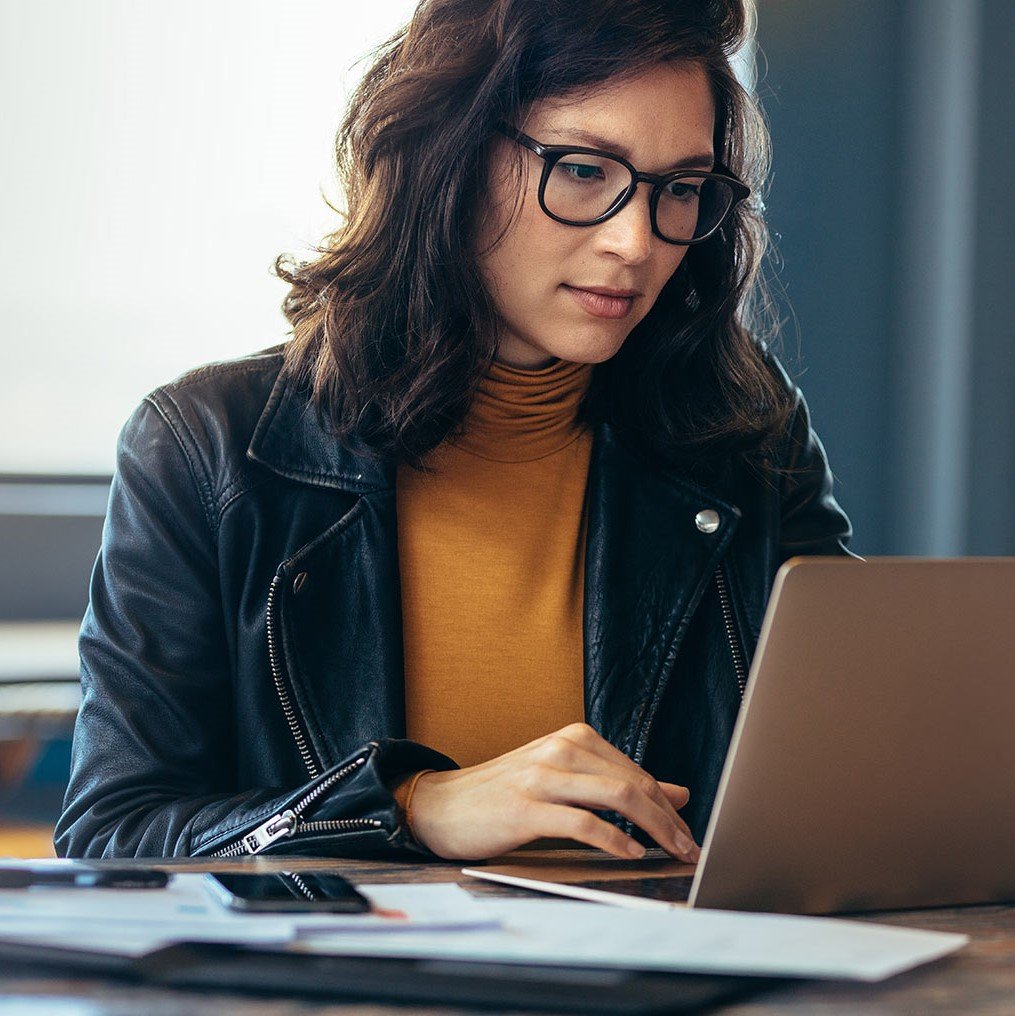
826	93
990	514
891	201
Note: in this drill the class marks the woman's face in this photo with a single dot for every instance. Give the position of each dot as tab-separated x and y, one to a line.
657	120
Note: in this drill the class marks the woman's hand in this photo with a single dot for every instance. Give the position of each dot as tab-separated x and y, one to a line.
548	787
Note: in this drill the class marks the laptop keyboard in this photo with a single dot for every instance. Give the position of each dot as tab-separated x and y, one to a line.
671	889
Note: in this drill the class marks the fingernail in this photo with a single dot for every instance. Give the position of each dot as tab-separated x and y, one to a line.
685	847
635	849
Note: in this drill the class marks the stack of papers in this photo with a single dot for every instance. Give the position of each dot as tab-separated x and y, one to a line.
444	921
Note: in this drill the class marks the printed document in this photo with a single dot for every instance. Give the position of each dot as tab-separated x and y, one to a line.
689	941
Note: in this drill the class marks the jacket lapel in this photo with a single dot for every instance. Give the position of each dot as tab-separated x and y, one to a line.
339	611
647	563
342	630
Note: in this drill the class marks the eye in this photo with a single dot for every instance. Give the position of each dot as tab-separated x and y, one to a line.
582	170
681	190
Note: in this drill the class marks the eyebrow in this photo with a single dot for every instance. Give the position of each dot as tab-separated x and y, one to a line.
703	160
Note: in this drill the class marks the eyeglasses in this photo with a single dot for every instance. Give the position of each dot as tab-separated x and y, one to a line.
586	186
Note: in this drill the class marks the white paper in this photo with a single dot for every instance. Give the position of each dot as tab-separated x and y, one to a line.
185	898
131	922
699	941
436	906
136	939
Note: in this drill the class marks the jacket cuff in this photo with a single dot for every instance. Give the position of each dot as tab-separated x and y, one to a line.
347	811
401	787
359	816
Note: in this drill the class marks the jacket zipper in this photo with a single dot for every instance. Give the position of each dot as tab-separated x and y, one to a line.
735	651
289	822
276	673
731	632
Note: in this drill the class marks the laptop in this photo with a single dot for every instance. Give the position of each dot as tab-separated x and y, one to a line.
872	765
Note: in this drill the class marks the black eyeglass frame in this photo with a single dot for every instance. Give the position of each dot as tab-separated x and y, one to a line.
552	154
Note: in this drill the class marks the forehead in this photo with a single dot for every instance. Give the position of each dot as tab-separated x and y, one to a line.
657	116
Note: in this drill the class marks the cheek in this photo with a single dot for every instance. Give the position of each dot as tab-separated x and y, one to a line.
531	257
541	248
671	266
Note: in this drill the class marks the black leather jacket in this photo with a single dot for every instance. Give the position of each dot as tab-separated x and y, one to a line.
241	654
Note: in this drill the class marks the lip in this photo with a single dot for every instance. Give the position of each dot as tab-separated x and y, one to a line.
606	291
603	303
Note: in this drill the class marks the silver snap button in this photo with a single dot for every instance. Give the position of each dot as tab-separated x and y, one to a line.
298	581
707	520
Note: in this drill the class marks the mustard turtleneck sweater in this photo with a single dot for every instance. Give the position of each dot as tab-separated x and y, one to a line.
491	549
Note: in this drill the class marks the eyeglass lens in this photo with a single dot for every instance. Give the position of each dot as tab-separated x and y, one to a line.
582	187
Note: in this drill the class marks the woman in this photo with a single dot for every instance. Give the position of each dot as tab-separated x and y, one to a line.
480	556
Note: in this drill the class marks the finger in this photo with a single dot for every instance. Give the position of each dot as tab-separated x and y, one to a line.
558	820
586	737
637	777
623	796
655	790
576	758
677	795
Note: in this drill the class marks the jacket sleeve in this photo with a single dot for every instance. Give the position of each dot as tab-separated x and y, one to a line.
811	520
152	759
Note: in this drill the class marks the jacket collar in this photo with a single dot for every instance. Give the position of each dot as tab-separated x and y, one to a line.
292	440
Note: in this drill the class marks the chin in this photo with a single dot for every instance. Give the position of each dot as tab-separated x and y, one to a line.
594	350
576	344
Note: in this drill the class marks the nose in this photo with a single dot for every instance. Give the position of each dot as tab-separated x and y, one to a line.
628	233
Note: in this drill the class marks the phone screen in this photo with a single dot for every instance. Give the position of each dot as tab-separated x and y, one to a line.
288	891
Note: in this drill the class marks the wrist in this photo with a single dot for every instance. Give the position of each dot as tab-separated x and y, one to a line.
403	793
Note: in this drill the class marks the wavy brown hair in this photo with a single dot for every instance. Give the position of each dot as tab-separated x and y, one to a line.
392	327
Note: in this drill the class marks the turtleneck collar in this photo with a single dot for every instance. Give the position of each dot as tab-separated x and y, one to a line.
519	415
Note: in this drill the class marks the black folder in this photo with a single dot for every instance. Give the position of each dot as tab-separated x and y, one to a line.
503	986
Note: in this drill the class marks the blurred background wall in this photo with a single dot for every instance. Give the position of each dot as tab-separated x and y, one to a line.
894	163
157	159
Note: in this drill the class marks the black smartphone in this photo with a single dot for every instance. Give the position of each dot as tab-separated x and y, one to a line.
288	892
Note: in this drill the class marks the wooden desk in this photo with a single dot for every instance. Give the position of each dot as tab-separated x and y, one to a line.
979	979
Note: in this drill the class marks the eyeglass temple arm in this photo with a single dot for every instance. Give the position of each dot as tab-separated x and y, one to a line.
523	139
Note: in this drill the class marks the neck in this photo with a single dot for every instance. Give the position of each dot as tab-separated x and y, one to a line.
533	362
523	413
522	355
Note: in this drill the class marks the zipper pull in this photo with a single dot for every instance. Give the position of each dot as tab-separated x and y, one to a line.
276	828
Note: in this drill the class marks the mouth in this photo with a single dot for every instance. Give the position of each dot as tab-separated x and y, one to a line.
603	302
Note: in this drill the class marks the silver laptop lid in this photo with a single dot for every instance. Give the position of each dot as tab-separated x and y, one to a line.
873	762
